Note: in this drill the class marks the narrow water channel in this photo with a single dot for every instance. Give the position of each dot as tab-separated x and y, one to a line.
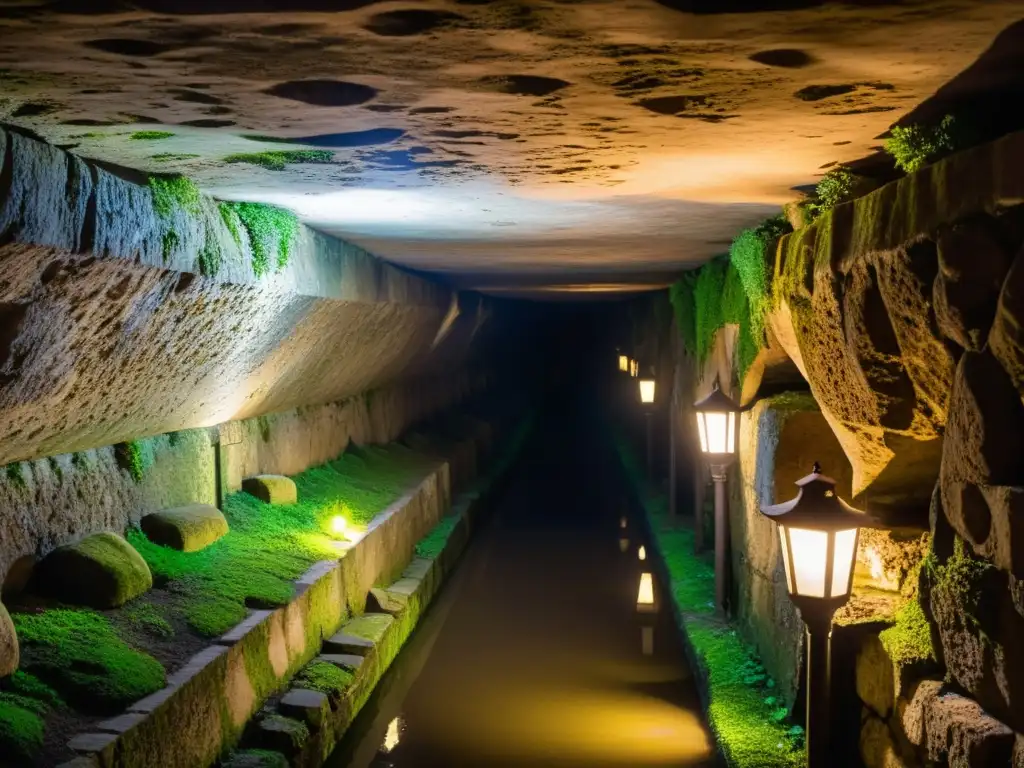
535	654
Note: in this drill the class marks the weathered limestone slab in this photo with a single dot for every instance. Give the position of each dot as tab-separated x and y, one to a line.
960	731
877	748
188	529
346	661
9	656
309	707
343	642
272	489
101	571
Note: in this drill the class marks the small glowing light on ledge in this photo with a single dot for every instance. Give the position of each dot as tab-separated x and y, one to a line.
623	545
645	595
393	735
338	525
642	553
622	522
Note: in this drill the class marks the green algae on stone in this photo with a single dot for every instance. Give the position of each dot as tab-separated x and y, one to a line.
324	677
150	135
271	230
909	640
100	571
82	657
173	192
255	758
434	542
277	160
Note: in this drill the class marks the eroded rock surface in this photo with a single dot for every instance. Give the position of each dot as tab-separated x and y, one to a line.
9	656
187	529
101	571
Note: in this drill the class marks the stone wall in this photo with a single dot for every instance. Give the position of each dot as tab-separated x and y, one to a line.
903	309
54	501
788	435
110	330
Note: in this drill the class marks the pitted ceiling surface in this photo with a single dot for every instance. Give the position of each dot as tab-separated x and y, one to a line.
511	145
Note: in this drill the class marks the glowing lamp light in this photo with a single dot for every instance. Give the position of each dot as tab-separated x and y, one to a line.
641	553
634	368
818	532
622	522
645	594
717	424
338	525
646	391
623	363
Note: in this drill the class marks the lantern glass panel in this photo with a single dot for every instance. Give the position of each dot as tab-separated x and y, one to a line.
809	554
842	561
785	557
716	438
646	390
731	434
703	431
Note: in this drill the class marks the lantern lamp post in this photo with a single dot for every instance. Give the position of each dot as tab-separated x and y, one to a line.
818	534
718	428
647	400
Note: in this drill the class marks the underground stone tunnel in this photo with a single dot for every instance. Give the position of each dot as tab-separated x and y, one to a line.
480	382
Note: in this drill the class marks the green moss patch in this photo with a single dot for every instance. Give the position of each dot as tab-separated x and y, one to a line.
270	229
256	758
169	157
269	546
909	640
150	135
173	192
324	677
276	160
433	543
914	146
749	721
146	618
21	733
81	656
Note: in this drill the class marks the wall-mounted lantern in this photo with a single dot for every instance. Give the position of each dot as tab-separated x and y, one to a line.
623	363
718	427
818	533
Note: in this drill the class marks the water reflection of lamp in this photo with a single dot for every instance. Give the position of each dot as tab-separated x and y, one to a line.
393	735
718	428
634	368
641	553
623	544
818	534
645	594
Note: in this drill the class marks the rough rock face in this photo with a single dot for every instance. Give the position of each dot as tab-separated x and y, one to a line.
271	489
113	330
877	749
187	529
875	301
8	644
101	571
790	435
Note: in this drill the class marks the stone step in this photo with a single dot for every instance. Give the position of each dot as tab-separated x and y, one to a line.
348	644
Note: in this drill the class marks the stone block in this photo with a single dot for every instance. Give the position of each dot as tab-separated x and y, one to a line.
911	709
1006	339
101	747
272	489
9	656
282	734
187	529
121	723
310	707
380	600
101	571
346	643
350	662
961	733
972	265
371	626
877	748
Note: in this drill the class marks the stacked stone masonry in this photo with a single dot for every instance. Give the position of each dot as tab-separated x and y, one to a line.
904	310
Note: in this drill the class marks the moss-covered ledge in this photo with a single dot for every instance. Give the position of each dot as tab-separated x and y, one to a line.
744	709
212	697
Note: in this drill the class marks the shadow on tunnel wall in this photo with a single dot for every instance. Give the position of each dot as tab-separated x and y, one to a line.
987	99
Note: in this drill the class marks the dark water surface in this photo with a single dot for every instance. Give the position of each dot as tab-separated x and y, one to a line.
533	653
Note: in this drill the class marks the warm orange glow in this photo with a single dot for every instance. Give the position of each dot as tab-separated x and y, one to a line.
645	595
647	391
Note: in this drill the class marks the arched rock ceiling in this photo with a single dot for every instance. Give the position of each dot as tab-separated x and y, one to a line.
514	144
